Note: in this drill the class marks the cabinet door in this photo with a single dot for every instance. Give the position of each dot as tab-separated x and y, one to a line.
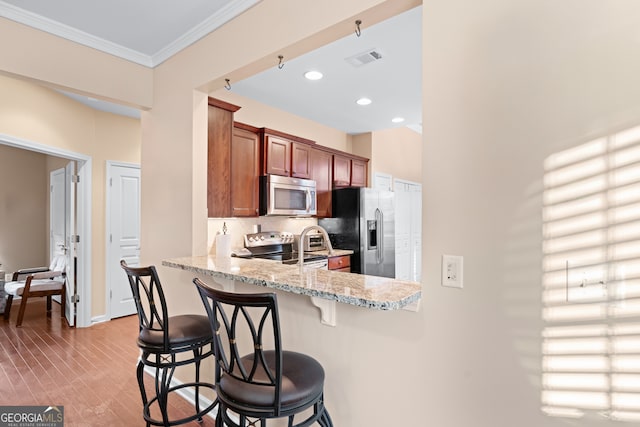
245	173
300	160
219	143
341	171
278	156
358	173
321	164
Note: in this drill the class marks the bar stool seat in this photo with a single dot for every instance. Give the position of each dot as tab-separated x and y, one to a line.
161	339
255	378
302	381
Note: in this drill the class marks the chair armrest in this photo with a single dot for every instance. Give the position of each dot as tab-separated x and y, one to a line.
48	274
27	271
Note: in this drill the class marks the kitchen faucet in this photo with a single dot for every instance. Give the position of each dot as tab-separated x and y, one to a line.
301	242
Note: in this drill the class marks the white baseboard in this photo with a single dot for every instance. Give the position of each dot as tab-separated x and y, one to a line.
99	319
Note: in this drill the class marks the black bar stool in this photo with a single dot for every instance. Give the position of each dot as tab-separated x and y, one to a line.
161	339
258	383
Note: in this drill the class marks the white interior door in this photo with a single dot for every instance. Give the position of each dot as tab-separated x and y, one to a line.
408	239
123	239
70	240
57	215
56	212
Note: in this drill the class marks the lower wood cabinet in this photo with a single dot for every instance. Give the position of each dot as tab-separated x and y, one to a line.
340	263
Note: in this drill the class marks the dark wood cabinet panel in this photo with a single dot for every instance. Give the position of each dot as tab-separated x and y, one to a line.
300	160
321	173
358	173
278	156
341	171
245	173
220	128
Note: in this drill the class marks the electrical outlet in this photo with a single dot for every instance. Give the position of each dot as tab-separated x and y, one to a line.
452	271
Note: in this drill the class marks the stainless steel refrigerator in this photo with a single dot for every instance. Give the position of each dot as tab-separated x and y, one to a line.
363	221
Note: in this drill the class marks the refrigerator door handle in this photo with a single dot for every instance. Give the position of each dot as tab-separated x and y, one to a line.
379	233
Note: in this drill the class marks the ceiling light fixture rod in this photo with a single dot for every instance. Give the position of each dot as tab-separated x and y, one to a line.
227	86
358	30
280	63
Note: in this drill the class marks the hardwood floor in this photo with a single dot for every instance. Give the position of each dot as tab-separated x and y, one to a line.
89	371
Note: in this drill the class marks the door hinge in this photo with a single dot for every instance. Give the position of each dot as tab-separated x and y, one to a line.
110	238
110	182
75	178
110	294
75	238
75	298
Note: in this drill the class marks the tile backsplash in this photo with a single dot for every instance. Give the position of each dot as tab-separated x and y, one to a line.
238	227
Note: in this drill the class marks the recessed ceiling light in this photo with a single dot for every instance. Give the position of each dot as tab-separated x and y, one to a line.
363	101
313	75
397	119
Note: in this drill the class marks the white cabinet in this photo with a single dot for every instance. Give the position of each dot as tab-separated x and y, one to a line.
408	222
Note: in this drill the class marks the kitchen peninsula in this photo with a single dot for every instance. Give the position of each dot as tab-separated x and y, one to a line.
324	287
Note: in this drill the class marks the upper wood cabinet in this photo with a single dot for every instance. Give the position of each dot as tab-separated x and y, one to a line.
358	173
233	164
245	173
286	155
219	133
341	171
322	174
301	160
277	156
349	171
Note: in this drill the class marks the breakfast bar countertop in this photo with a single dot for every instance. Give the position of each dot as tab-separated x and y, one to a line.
379	293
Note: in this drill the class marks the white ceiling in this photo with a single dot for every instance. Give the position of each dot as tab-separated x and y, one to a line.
148	32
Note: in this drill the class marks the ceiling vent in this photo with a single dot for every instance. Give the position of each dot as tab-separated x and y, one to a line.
364	58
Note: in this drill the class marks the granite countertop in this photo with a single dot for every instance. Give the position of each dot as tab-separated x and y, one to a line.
336	252
373	292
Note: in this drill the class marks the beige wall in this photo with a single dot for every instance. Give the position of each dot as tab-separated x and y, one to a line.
23	209
506	84
38	114
260	115
397	152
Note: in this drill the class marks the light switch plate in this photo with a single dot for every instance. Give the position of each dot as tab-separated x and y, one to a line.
452	271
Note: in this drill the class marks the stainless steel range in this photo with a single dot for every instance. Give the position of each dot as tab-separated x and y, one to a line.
278	246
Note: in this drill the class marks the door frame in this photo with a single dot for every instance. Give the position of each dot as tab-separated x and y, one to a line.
109	165
83	217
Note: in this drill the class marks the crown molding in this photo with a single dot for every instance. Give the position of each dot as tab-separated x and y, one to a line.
215	21
50	26
66	32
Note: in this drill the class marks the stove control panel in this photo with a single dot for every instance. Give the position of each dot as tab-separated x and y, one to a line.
267	238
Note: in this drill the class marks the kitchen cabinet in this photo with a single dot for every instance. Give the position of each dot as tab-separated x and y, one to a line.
219	134
286	155
349	171
245	173
341	171
358	173
233	164
277	156
340	263
321	172
301	160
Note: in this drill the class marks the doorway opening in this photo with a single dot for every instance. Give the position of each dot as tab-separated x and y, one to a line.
82	220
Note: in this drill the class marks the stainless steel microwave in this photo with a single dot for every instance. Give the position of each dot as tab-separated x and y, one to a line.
282	195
